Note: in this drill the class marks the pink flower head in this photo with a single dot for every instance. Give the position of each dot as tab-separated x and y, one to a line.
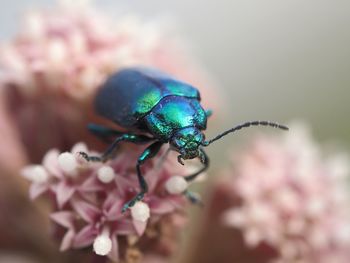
55	64
292	199
89	197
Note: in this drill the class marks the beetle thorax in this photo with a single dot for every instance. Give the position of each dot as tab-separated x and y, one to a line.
186	141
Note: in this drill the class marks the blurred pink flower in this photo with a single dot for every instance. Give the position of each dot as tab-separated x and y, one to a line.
292	199
88	199
54	65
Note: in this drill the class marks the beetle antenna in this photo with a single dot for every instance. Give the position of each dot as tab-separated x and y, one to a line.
246	125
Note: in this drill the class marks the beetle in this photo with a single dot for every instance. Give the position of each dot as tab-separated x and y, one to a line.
155	108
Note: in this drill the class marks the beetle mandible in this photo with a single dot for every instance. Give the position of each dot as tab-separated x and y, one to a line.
155	108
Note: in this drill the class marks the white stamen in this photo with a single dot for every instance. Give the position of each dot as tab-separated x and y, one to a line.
67	162
102	244
176	185
36	174
140	212
106	174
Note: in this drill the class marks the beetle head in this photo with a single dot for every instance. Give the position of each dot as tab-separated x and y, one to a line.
186	141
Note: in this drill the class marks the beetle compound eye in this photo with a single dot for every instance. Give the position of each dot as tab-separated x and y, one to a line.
177	144
200	138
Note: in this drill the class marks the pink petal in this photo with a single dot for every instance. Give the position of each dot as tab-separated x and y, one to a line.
177	201
50	162
140	226
29	172
89	197
114	254
63	218
113	206
125	227
152	179
67	240
91	184
64	192
161	206
110	200
36	190
114	213
87	211
124	185
85	237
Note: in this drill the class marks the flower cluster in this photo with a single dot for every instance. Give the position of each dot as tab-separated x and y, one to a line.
292	199
89	197
70	52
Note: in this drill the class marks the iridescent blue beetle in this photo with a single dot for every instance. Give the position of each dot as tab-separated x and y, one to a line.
156	108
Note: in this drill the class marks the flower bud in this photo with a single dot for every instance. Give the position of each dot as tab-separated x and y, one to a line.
140	212
106	174
67	162
102	245
176	185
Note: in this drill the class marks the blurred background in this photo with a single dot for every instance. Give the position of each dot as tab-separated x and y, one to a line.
266	60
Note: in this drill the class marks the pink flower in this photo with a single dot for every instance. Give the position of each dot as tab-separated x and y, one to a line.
292	199
88	198
55	64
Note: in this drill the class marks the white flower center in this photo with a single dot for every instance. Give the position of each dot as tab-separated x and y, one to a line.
36	174
67	162
102	245
176	185
106	174
140	212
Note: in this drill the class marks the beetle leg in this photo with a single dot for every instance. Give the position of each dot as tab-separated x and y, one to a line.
127	137
193	197
205	160
103	132
149	153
